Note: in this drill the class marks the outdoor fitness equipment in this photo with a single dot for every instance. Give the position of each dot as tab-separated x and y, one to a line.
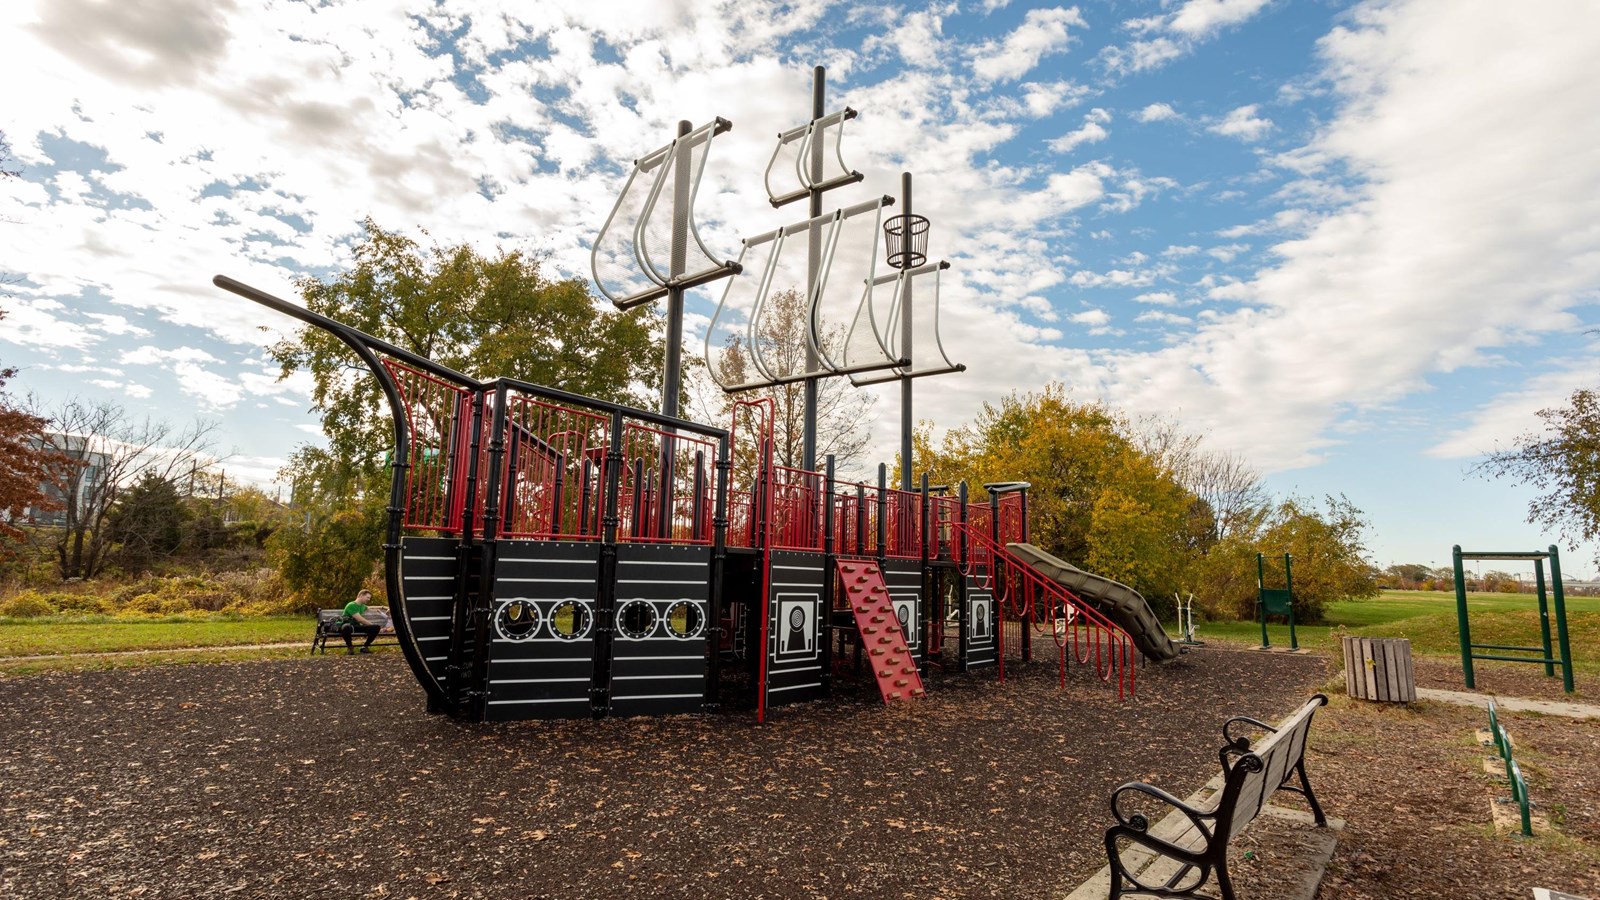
1275	601
1186	626
1537	557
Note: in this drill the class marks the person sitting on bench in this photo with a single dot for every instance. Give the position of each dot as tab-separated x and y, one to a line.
354	620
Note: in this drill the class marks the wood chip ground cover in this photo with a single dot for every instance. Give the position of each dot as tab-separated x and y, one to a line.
291	778
302	777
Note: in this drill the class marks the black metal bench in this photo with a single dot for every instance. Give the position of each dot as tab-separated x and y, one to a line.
330	628
1199	845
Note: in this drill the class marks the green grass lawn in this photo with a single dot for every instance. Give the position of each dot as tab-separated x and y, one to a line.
34	637
1428	619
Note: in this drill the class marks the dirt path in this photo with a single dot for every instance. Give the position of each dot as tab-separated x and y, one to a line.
120	653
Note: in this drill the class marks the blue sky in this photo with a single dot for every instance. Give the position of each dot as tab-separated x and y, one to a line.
1354	242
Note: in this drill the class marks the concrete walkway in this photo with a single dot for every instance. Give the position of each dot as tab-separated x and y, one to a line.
1515	704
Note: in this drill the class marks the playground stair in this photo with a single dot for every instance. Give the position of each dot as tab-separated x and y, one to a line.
893	667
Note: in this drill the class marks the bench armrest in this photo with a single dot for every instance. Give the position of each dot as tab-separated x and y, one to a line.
1140	823
1227	730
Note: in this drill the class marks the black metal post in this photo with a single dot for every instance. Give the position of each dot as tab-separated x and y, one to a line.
828	576
460	614
483	603
719	557
605	590
906	420
808	446
966	556
583	498
925	595
698	506
883	514
671	383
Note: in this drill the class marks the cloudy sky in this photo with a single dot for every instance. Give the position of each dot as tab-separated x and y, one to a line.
1357	242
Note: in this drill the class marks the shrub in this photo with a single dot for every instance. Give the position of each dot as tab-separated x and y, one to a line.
26	605
79	603
147	604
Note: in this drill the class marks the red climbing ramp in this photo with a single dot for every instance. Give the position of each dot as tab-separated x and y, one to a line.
893	666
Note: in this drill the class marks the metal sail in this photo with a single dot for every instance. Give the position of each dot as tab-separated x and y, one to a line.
811	155
769	329
632	258
927	355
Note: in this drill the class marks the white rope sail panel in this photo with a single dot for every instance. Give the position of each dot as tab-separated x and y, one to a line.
926	353
632	258
769	330
809	156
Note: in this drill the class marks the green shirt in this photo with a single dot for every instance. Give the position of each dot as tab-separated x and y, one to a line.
352	609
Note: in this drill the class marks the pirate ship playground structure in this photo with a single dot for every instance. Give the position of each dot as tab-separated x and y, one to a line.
551	555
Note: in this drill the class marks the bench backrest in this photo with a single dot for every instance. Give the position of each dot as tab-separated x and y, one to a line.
1257	772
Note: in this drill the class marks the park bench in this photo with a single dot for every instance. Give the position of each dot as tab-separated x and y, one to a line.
329	628
1192	841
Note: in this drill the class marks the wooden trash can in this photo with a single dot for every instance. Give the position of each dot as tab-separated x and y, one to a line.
1379	669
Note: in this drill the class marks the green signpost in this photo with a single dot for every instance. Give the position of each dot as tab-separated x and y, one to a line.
1275	601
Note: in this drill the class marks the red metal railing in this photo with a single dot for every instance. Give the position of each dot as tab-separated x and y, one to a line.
665	492
944	513
750	455
796	509
437	419
904	524
1012	527
552	469
1081	632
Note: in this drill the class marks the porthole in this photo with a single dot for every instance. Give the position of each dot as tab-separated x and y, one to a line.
517	620
636	619
569	621
684	619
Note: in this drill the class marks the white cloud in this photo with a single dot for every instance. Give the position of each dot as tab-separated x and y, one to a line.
1494	425
1042	32
1159	317
1159	298
1091	317
1042	99
1243	123
1093	130
1156	112
1164	38
1201	18
1227	252
1460	229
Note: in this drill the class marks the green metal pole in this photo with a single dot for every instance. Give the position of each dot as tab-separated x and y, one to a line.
1561	620
1261	601
1288	586
1461	617
1544	617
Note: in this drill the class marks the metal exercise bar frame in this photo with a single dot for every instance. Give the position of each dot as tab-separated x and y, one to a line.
1557	593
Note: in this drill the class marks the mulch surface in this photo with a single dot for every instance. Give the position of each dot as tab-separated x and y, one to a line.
1409	781
302	777
1506	679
